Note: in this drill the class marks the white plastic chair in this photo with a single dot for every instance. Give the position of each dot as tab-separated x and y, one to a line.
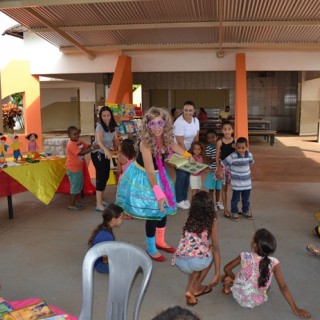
125	260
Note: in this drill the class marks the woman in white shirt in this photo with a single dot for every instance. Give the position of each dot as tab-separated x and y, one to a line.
186	131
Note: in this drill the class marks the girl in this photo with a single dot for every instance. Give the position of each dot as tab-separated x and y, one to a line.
225	146
145	190
195	179
212	182
250	285
105	136
112	217
193	255
126	157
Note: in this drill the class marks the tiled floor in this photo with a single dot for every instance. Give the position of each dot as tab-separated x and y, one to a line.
42	248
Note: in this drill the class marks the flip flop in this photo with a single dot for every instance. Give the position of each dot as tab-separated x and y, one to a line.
227	216
98	209
190	302
75	208
206	290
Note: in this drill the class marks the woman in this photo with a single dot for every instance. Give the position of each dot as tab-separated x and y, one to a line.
145	190
202	116
186	131
105	136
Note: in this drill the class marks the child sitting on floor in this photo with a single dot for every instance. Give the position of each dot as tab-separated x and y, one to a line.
112	217
250	285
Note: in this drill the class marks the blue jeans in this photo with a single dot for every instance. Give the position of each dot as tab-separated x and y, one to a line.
245	196
182	185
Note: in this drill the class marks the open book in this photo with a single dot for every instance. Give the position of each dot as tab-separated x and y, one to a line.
185	164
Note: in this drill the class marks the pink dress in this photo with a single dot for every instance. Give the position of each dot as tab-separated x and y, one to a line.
245	288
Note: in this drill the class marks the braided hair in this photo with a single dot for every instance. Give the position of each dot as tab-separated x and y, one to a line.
266	244
201	214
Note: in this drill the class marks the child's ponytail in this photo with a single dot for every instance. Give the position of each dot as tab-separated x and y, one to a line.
265	245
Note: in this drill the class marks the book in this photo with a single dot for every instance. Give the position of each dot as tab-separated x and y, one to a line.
5	307
32	312
185	164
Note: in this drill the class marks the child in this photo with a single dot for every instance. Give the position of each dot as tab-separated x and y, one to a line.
126	157
32	142
195	179
212	182
112	217
194	255
76	149
250	285
239	165
225	146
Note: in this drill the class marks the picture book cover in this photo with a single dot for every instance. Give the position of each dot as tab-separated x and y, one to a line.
186	165
32	312
5	307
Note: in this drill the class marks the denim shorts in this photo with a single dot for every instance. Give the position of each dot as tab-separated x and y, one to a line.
190	264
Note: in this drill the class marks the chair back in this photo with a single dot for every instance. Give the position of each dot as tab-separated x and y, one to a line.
125	260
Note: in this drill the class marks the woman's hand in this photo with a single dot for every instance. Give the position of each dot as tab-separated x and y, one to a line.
108	154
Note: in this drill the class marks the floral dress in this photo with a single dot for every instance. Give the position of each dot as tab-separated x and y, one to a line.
245	288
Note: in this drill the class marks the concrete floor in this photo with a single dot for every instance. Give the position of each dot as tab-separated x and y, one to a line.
42	248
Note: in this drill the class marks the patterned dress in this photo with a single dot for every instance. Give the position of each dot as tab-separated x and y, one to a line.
245	288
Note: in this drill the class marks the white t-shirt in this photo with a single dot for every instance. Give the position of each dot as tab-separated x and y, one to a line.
187	130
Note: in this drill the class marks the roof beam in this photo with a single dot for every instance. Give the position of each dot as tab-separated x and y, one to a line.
63	34
47	3
212	45
176	25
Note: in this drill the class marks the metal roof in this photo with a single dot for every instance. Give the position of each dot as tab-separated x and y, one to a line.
92	26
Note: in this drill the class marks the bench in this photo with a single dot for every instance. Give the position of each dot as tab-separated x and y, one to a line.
267	134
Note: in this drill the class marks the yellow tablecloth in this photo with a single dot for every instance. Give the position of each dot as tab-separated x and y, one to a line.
42	178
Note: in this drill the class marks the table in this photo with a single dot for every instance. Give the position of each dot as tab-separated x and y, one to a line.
24	303
43	179
252	123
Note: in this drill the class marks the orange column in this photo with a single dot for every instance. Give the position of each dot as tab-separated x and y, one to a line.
121	86
16	77
241	105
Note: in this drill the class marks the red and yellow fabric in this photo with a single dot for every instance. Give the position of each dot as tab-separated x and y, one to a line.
42	178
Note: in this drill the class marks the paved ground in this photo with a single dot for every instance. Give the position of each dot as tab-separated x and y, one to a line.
43	247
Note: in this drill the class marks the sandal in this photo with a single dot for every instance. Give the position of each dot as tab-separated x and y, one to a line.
227	215
190	302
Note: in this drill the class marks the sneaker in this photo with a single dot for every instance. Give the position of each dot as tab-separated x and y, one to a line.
182	205
219	206
313	249
247	215
187	202
234	216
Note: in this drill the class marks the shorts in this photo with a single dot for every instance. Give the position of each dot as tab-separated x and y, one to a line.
226	176
212	183
190	264
195	182
76	181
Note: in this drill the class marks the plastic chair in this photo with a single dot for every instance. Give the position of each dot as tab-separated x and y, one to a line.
125	260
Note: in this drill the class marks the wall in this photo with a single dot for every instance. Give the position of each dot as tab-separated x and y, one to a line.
310	106
271	95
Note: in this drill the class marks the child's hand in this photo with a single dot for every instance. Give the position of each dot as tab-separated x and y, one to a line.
219	174
215	280
303	314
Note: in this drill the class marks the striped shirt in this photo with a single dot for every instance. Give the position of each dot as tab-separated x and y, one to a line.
240	170
211	156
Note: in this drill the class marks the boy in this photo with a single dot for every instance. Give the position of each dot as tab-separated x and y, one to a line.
212	183
239	164
76	149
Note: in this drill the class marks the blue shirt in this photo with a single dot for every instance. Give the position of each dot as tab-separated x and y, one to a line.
102	235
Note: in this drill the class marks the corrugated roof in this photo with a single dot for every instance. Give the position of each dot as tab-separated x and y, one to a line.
171	24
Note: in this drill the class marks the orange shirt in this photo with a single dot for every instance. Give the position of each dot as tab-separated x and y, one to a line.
74	162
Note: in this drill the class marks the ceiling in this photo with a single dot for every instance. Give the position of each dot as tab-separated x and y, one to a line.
93	26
